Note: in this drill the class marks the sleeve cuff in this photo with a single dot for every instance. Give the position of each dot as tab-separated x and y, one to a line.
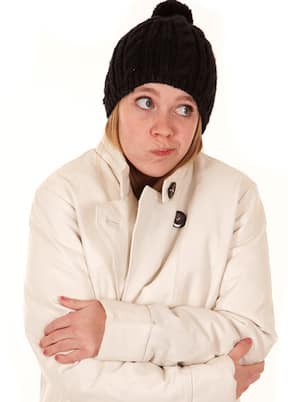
214	381
127	331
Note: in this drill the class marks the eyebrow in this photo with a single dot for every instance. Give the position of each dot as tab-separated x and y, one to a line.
152	90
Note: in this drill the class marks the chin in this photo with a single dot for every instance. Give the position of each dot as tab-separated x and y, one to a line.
156	172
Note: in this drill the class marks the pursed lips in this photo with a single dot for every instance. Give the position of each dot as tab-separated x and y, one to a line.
163	151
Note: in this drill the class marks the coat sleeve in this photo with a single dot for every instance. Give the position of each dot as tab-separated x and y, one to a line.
190	334
55	266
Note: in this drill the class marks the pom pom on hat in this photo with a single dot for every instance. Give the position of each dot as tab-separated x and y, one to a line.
173	7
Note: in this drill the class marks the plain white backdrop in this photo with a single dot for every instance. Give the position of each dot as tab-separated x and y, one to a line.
54	58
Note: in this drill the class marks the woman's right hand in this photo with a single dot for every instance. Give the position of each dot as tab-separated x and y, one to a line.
244	375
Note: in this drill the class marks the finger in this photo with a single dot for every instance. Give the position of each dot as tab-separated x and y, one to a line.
240	391
75	304
254	377
255	369
259	367
55	336
72	357
61	346
240	349
262	366
61	322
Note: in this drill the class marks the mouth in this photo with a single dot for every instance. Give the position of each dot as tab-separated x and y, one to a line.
163	151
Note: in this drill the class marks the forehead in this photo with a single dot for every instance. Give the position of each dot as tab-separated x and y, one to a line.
164	90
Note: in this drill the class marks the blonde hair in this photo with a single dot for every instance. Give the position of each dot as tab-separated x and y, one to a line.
111	127
111	131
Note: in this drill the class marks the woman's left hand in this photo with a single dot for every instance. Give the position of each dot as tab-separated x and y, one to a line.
80	331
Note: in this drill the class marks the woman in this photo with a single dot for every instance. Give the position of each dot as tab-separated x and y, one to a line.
161	248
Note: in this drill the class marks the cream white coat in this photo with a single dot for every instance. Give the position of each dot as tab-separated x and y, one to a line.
176	299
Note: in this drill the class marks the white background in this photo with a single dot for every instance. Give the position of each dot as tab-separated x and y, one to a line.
54	58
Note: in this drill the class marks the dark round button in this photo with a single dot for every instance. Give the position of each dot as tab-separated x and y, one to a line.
180	220
171	189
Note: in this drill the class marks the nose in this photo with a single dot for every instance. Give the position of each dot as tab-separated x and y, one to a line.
162	126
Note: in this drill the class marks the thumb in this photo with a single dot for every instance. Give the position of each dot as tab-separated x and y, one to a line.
74	304
240	349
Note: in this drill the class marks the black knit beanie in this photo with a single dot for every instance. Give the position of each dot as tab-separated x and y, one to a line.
166	48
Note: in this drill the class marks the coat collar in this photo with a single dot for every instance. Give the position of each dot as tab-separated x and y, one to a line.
120	168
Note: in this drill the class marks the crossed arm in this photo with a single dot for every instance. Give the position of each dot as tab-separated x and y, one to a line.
55	261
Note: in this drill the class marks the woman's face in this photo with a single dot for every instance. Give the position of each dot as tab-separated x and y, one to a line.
157	123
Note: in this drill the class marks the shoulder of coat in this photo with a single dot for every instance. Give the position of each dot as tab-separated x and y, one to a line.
71	173
217	170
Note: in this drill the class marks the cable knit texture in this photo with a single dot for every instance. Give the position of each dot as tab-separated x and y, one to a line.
166	48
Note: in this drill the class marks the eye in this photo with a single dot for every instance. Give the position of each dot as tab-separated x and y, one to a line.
185	110
144	102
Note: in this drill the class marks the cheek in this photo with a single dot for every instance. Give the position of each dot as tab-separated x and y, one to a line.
187	139
128	139
126	122
125	133
132	132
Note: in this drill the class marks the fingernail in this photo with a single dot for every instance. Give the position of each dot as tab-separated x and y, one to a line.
248	340
63	298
